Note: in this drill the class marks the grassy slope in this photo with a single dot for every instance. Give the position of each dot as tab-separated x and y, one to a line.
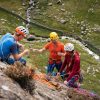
11	21
75	10
86	60
13	5
8	23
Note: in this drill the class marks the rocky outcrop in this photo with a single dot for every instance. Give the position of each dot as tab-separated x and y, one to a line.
46	91
11	90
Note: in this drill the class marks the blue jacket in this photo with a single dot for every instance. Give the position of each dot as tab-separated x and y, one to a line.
8	46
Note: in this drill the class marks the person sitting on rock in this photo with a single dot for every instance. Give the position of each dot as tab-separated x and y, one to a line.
9	46
71	66
54	46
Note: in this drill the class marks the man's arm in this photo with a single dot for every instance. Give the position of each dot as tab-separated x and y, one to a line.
39	50
74	70
18	56
43	49
61	54
14	52
20	45
63	65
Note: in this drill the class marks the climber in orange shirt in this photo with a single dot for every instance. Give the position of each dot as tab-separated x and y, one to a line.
54	47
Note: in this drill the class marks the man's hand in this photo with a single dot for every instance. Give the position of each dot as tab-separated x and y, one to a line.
65	82
40	51
61	54
17	56
58	74
26	51
21	46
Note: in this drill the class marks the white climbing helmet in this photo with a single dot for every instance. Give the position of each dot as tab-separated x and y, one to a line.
69	47
22	30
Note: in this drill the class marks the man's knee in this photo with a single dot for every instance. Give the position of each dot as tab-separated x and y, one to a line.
10	61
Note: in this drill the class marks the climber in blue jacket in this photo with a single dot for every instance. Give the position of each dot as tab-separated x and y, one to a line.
9	46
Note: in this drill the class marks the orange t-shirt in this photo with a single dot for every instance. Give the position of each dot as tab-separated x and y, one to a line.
54	49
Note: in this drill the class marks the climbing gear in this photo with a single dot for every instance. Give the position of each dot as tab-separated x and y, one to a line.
72	82
20	30
51	67
53	36
69	47
54	60
64	75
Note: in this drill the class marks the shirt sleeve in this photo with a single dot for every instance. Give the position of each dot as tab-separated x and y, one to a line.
47	46
14	49
74	69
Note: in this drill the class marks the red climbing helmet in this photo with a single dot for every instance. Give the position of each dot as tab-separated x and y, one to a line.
22	31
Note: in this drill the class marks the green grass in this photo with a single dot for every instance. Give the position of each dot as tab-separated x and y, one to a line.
15	6
75	10
10	22
39	31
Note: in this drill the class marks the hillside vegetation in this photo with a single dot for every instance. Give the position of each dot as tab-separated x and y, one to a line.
78	17
71	16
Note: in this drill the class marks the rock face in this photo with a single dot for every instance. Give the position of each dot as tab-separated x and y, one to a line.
11	90
44	92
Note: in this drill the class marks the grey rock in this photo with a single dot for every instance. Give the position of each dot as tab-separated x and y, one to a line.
10	90
63	21
31	38
49	4
63	10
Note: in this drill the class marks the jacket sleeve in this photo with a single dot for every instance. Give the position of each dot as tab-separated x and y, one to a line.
63	49
14	49
76	67
63	65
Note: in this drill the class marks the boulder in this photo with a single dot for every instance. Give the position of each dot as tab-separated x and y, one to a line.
31	38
